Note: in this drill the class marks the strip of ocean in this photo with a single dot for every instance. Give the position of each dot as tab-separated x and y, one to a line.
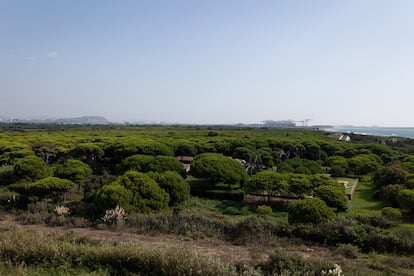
407	132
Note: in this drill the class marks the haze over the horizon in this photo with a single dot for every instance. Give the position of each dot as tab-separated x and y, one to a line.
227	61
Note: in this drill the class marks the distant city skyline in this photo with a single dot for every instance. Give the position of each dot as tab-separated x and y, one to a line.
209	62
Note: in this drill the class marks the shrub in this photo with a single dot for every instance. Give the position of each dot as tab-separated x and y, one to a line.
68	221
113	194
251	230
182	223
388	242
375	221
313	211
7	175
334	196
233	211
389	193
38	207
347	250
264	209
406	200
280	263
391	213
342	230
7	197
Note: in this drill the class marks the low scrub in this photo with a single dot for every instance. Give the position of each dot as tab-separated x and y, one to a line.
44	250
251	230
281	263
53	220
181	223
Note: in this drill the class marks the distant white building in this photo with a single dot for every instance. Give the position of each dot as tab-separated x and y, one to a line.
340	137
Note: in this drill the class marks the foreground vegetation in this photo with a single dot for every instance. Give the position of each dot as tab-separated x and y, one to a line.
244	187
76	253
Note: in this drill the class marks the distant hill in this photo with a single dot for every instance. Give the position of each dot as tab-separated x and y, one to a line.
84	120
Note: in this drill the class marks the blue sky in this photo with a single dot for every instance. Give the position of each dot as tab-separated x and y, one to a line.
227	61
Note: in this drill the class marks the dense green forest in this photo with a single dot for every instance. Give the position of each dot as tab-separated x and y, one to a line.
239	185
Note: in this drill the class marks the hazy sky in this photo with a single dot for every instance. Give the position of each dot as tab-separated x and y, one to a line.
223	61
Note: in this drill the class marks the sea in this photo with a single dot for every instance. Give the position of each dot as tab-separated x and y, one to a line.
407	132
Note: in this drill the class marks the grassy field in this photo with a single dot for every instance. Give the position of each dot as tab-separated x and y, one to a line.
363	203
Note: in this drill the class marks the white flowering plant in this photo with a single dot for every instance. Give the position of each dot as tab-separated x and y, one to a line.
336	271
114	216
61	210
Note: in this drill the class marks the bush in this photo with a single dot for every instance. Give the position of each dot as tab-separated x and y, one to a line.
391	213
7	175
406	200
375	221
389	193
341	230
7	197
334	196
280	263
112	195
38	207
313	211
233	211
264	209
251	230
181	223
388	242
347	250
